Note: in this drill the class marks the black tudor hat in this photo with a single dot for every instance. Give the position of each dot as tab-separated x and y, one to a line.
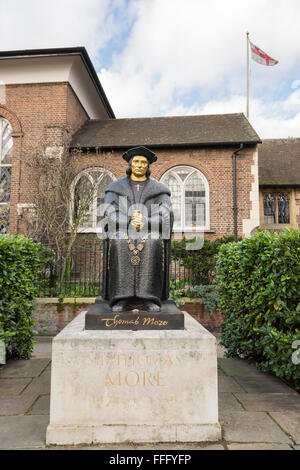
143	151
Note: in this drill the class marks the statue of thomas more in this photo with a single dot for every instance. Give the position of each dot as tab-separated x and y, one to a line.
138	223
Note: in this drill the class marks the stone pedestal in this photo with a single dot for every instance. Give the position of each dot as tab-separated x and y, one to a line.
140	386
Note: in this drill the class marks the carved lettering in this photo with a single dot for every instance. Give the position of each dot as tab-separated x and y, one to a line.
136	381
115	381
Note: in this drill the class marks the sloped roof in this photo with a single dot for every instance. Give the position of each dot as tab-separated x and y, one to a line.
279	162
166	131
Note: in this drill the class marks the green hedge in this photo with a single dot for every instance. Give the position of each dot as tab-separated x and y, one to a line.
20	261
259	297
201	263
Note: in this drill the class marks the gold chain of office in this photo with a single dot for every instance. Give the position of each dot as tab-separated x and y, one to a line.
135	250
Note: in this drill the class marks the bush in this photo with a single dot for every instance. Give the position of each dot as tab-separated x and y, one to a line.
20	262
258	282
200	263
207	293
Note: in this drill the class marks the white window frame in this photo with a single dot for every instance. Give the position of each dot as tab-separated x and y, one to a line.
4	165
192	170
87	173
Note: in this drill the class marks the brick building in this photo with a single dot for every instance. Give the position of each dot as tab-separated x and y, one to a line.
279	183
209	162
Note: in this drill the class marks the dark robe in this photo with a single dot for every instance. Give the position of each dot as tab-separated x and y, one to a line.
149	280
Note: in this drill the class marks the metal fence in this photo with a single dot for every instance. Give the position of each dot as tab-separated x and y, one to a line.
82	276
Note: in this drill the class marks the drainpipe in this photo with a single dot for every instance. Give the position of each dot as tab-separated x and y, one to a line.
235	191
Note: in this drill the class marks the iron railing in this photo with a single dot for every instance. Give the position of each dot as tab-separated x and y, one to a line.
82	274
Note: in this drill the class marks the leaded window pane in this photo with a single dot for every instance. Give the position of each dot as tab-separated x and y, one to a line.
283	209
89	193
83	189
5	175
269	209
6	142
175	189
194	201
188	197
101	194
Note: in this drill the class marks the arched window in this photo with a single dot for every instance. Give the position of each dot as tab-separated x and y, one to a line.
6	144
88	192
190	198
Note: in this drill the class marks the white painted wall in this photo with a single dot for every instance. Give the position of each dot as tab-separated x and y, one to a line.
253	221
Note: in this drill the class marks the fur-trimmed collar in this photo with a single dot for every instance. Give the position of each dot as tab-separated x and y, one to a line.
152	189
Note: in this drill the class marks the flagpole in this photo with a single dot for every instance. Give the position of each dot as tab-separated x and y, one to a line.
247	39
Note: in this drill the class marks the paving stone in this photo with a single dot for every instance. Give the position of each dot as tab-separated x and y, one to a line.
43	347
39	385
296	447
252	426
228	384
22	432
9	387
24	368
17	405
269	401
235	446
228	403
167	446
290	422
266	384
239	367
41	406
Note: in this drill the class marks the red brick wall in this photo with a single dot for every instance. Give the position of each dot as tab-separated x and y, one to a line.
31	108
50	108
215	164
199	312
51	317
76	115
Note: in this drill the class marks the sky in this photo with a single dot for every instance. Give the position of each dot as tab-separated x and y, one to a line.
175	57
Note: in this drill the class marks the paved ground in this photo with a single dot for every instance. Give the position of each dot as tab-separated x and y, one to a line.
256	410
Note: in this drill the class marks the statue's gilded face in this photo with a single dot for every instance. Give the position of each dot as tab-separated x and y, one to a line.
139	166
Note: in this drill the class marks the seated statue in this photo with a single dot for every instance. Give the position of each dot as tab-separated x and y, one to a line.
137	222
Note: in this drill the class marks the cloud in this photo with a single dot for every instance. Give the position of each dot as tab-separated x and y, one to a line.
179	51
160	57
35	24
267	121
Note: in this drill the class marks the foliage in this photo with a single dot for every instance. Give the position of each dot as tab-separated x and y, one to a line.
20	261
258	281
199	263
208	295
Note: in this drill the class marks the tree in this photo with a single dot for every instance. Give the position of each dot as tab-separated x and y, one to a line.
54	217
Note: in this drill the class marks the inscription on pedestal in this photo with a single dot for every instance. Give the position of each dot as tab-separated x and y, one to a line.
133	371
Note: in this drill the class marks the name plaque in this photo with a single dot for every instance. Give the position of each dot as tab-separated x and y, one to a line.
101	317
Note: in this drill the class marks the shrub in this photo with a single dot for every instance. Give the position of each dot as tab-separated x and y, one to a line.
200	263
20	262
208	295
258	282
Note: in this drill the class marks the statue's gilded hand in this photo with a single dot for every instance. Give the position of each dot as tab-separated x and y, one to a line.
137	220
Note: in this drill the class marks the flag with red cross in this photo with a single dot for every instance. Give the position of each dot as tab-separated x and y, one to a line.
260	56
